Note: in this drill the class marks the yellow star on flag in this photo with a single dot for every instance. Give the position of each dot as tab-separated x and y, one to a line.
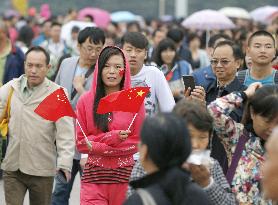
140	93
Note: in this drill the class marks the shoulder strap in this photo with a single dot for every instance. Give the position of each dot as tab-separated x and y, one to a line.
241	76
276	77
88	73
6	111
9	103
237	154
146	197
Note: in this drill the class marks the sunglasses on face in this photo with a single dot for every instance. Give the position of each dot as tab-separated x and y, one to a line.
214	62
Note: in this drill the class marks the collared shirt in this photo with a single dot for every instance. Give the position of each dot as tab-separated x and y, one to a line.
3	58
25	89
220	89
214	90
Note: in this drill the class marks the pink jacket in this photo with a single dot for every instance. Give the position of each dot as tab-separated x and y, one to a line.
107	149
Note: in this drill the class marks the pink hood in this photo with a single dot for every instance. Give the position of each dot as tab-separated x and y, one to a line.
127	83
108	149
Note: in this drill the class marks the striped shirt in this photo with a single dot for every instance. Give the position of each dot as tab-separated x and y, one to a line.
101	175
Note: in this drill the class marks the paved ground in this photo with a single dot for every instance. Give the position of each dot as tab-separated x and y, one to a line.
74	200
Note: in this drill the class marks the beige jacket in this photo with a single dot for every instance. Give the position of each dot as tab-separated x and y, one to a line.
32	139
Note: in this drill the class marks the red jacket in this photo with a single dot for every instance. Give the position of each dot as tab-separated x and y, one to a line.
107	149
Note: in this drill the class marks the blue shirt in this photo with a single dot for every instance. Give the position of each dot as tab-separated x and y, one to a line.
180	69
269	80
204	76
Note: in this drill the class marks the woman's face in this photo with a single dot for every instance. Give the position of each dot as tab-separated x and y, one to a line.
262	126
199	139
111	76
167	56
195	43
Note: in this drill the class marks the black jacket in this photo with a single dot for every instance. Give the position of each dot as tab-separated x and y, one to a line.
217	150
163	188
212	90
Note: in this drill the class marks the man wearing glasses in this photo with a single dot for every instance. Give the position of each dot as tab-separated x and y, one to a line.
75	74
225	61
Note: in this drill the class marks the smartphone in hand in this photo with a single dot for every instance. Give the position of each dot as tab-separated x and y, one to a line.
188	81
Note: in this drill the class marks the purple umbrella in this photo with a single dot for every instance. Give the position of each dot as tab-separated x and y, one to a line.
208	20
262	14
101	17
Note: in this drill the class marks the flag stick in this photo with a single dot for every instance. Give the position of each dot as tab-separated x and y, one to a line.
132	121
86	138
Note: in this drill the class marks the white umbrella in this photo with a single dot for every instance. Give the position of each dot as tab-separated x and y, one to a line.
66	28
235	12
261	14
208	20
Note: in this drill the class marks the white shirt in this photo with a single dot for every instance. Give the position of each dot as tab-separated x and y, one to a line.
160	97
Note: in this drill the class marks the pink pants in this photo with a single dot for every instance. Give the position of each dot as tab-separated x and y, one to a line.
103	194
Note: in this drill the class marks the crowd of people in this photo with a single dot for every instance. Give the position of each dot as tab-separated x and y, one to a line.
213	143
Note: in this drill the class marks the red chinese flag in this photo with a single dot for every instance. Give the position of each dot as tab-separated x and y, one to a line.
55	106
129	100
169	75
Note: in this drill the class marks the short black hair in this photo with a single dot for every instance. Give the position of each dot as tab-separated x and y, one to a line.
46	21
167	137
155	31
237	52
176	34
56	24
95	35
90	17
216	37
260	33
133	23
136	39
39	49
75	29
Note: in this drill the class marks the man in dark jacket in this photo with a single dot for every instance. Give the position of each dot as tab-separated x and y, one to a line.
225	61
205	76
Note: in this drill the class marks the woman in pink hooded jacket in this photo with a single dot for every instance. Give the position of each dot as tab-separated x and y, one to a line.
110	161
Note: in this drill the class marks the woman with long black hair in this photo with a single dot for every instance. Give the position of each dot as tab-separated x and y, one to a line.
110	161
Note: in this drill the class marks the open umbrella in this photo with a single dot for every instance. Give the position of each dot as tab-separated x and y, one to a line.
261	14
208	20
123	16
101	17
235	12
66	28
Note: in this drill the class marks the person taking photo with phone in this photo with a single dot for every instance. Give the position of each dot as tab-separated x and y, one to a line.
225	61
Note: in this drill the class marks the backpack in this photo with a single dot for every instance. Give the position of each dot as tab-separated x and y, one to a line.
241	76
